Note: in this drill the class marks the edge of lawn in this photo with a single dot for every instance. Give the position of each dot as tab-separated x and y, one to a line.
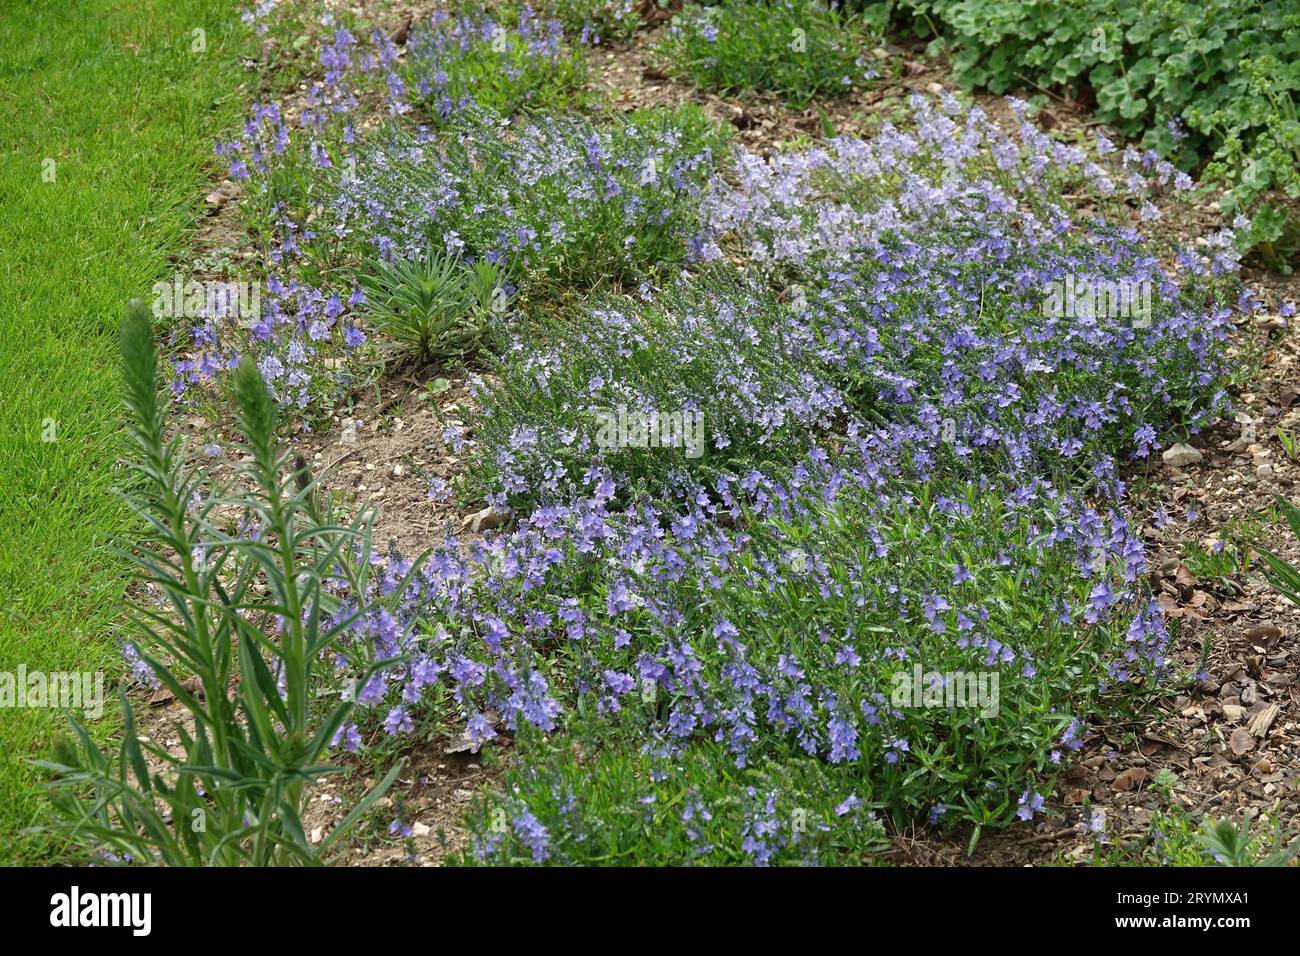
118	96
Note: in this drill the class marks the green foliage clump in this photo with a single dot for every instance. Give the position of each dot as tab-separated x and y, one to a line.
797	48
600	19
572	801
1176	837
433	307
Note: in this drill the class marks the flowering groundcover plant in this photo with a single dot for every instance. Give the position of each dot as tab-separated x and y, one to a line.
474	60
911	462
297	163
565	198
686	613
784	635
797	48
598	19
899	300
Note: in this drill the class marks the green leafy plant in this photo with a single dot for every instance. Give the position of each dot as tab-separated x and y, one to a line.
1216	565
1283	575
1175	837
486	286
1287	439
573	801
1229	845
247	613
434	306
799	49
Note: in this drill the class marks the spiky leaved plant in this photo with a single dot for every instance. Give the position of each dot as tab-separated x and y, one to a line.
431	307
1283	575
248	617
1234	845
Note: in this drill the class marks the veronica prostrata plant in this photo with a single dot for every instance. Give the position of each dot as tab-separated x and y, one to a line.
566	200
776	617
719	356
800	49
886	306
758	604
473	60
595	20
581	799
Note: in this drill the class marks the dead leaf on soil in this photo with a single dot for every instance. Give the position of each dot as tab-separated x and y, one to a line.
461	745
1130	779
1181	455
1265	636
163	694
1241	741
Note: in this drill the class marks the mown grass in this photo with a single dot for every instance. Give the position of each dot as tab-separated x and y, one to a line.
115	95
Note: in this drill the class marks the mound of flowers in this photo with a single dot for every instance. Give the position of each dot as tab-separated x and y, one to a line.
816	510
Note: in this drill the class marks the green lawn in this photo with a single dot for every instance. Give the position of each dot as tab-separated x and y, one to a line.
112	92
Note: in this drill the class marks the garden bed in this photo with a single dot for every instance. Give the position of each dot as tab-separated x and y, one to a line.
626	653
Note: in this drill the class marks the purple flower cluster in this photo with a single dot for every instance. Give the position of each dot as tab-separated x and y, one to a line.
580	201
630	607
291	158
956	173
456	64
772	608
